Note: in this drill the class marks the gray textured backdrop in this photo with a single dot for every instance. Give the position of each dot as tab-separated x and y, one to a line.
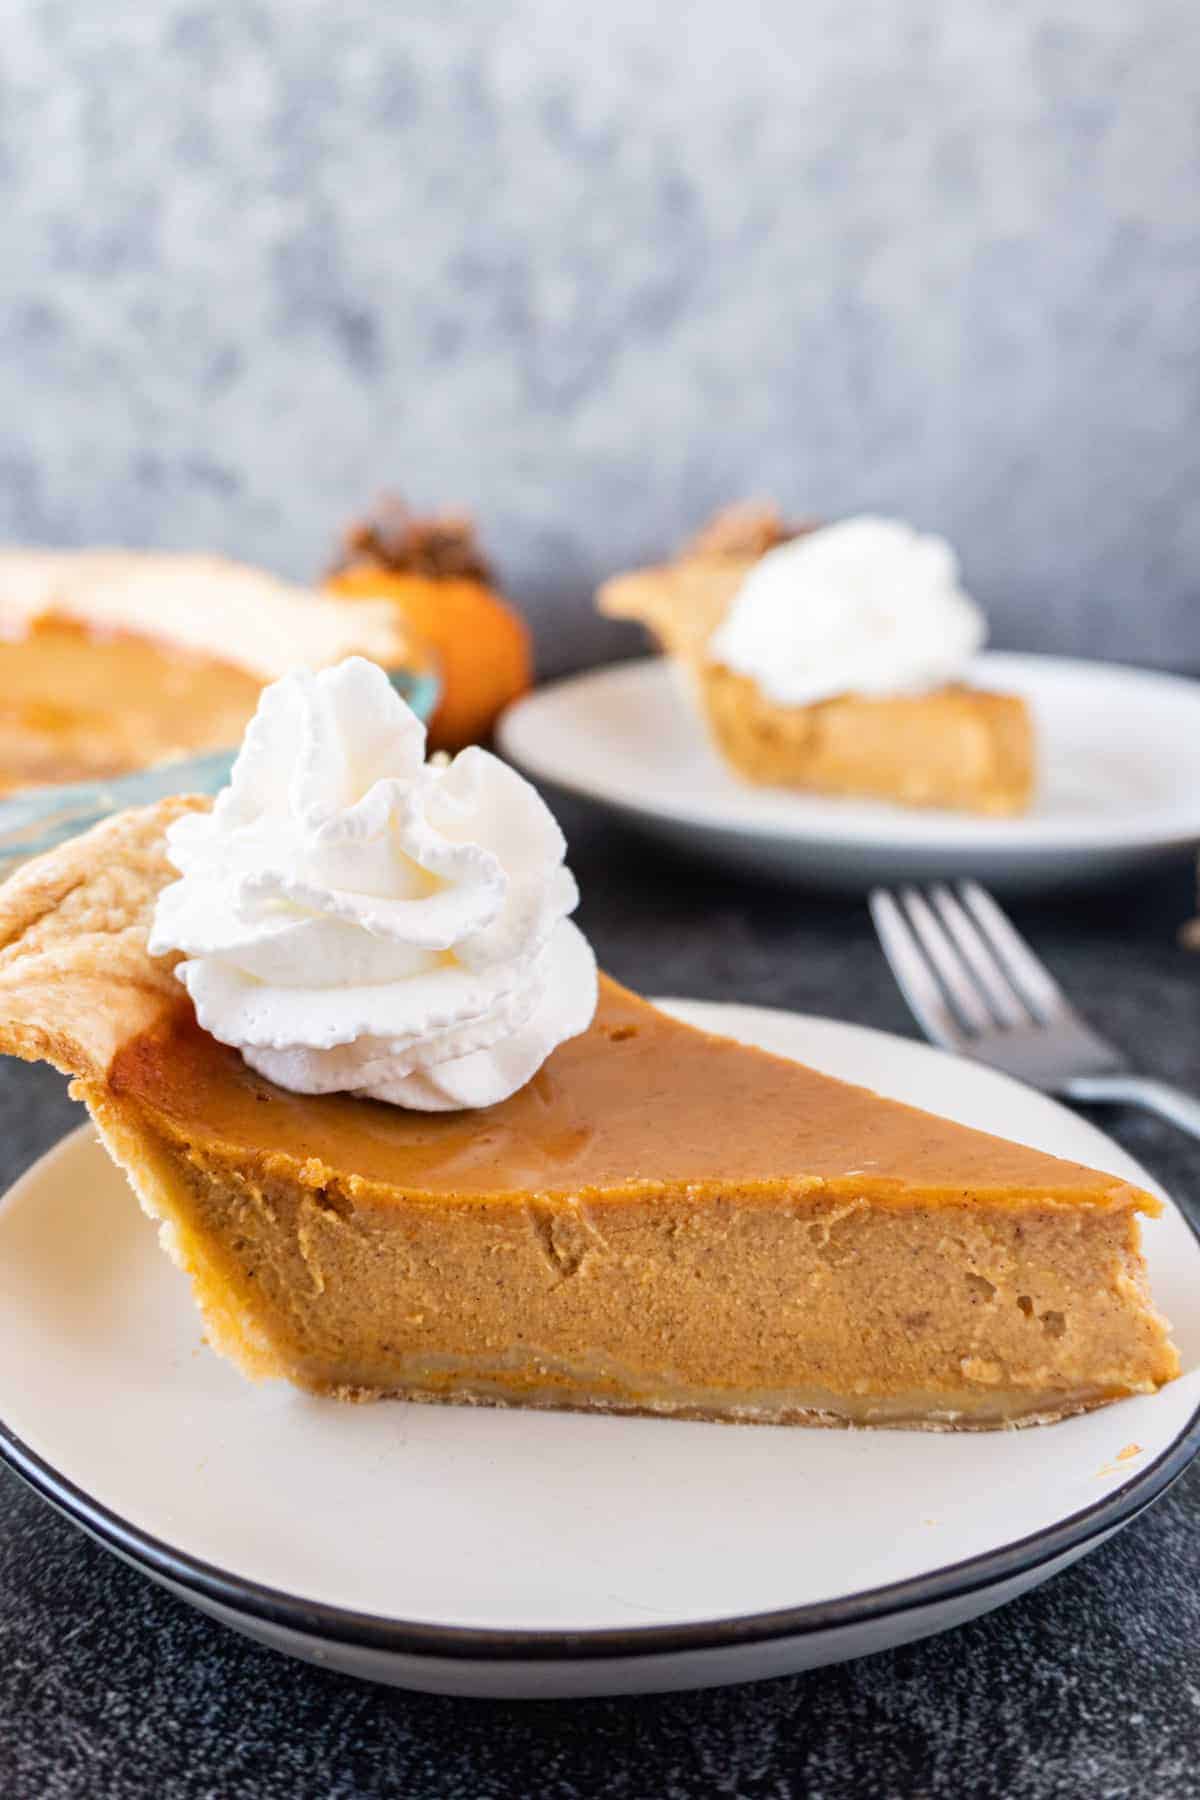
593	269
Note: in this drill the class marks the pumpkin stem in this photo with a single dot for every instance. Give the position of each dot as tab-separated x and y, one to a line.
390	536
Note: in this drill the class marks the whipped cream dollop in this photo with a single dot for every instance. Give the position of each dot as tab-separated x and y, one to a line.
353	917
866	606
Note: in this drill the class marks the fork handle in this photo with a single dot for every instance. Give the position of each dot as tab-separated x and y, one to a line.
1160	1097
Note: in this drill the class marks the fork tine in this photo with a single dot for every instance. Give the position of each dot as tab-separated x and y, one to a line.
913	976
1002	997
1042	993
963	994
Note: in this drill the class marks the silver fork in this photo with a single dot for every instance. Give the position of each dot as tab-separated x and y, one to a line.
974	986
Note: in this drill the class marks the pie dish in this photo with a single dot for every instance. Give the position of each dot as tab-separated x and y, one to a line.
111	661
955	746
661	1221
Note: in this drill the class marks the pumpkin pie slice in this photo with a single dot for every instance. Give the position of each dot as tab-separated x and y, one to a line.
112	660
956	746
661	1221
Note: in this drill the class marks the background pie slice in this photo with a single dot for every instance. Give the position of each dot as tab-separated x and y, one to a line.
661	1220
957	746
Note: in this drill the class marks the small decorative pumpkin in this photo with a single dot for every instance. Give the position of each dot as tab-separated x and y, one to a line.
434	571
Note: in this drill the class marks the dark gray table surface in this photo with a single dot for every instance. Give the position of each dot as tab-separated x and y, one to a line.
1089	1686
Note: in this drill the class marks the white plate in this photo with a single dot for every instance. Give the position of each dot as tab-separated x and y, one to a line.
1119	753
511	1553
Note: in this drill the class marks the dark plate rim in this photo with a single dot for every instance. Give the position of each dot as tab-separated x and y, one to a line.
320	1620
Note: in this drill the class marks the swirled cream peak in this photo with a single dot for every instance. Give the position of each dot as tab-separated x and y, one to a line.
867	606
352	917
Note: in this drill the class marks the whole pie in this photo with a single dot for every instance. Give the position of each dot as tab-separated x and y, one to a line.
954	746
114	660
660	1221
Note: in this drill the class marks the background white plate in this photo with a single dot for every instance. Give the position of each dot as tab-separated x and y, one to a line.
536	1553
1119	782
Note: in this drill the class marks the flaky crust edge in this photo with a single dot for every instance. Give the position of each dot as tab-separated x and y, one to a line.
76	979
